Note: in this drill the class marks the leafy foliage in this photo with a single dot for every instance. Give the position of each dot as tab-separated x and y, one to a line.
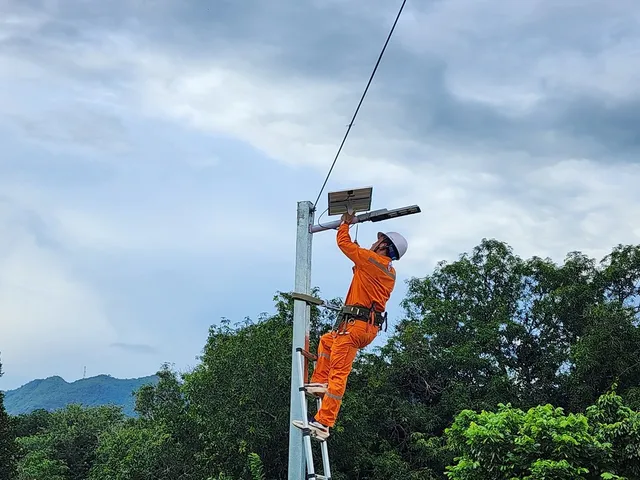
7	442
544	442
68	445
137	450
501	368
39	461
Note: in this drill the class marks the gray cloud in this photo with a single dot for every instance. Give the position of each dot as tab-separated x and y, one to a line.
79	124
560	126
570	58
531	45
340	41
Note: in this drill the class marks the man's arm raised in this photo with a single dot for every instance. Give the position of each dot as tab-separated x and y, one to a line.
350	248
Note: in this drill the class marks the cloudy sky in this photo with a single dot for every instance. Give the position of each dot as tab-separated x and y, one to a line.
153	152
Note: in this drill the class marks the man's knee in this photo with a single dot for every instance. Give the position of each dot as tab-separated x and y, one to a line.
326	339
338	383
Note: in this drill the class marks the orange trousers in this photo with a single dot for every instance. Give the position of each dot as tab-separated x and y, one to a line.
336	353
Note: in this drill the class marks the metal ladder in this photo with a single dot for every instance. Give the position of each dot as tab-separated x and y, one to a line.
303	356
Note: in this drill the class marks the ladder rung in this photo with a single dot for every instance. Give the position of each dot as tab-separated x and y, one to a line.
307	298
307	355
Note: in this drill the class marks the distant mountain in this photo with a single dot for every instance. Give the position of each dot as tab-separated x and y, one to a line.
54	392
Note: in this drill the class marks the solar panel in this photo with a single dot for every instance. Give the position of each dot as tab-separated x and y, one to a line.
357	199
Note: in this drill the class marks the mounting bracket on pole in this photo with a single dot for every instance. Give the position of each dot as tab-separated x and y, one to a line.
311	300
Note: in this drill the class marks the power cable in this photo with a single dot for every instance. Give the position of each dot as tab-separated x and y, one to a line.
326	210
375	68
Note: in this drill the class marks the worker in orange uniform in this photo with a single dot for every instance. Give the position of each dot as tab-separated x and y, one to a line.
358	323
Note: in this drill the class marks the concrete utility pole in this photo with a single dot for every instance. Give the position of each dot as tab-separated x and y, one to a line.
339	202
300	334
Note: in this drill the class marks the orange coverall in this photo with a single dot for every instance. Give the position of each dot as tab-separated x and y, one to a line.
373	281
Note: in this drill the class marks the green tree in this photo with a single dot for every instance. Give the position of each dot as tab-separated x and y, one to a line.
239	396
493	328
27	424
8	447
140	451
615	424
167	419
605	352
544	442
39	461
69	442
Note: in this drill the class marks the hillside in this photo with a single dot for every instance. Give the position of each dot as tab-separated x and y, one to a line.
54	392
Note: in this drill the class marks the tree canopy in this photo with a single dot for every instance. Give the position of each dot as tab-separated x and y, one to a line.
8	448
501	368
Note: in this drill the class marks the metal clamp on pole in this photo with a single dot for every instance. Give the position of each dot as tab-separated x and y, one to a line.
311	300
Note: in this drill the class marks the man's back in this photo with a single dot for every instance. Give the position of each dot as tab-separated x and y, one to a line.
373	275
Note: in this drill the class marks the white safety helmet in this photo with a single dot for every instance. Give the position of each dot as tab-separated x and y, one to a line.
399	243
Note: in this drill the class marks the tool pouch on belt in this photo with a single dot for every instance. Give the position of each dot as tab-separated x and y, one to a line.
369	315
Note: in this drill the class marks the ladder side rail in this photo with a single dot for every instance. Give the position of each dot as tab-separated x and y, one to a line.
326	468
306	433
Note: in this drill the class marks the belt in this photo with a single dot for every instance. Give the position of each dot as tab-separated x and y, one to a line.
369	315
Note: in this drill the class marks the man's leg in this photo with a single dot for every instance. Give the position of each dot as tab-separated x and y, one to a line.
343	349
343	352
319	379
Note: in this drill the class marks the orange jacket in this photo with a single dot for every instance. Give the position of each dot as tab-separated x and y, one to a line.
373	275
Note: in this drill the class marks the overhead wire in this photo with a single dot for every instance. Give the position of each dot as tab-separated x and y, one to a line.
375	68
